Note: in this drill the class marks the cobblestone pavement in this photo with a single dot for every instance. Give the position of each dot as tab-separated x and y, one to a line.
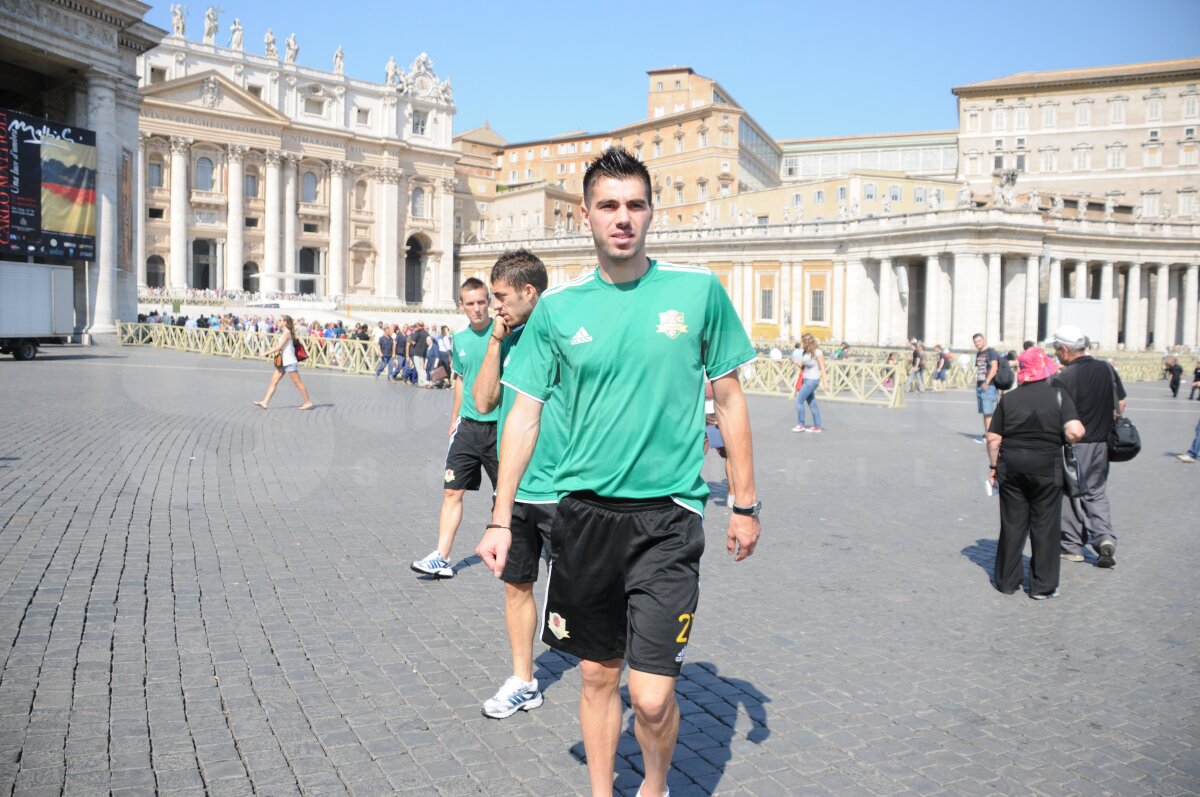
197	596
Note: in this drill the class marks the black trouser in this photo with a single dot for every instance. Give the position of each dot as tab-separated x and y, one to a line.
1030	507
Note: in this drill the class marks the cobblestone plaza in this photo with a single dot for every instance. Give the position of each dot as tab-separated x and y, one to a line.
197	596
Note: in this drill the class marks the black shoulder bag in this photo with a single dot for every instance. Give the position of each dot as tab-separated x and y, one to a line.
1074	481
1124	442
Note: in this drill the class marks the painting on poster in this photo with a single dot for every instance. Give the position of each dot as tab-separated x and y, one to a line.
47	188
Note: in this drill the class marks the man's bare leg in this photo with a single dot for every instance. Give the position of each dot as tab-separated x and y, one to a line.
451	516
600	720
520	616
656	726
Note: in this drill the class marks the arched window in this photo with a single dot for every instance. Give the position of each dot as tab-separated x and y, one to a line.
204	174
156	272
360	195
308	187
418	203
251	183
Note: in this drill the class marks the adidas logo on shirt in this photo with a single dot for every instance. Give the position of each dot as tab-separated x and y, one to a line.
581	336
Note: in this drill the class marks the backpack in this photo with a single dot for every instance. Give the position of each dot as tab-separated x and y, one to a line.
1005	378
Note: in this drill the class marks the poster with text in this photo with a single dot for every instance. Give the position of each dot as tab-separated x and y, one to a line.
47	188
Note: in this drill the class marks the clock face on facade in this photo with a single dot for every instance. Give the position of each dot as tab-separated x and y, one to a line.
424	85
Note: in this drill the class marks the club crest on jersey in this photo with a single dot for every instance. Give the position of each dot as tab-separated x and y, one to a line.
449	475
671	324
557	625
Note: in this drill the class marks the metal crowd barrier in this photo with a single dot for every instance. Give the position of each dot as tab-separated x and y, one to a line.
849	381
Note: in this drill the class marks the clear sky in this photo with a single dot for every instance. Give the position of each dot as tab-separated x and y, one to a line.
801	68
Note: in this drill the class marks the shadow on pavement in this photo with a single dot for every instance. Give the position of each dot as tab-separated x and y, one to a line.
709	705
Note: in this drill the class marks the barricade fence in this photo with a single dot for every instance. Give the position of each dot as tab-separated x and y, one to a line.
866	378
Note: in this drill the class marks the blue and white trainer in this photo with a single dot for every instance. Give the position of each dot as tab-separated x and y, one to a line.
515	695
434	565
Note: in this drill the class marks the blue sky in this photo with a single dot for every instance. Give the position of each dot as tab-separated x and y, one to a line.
801	68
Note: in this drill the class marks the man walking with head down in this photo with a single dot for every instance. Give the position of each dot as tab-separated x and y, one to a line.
628	346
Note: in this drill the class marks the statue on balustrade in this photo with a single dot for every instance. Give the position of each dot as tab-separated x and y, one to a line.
177	20
339	61
236	36
291	49
269	45
210	26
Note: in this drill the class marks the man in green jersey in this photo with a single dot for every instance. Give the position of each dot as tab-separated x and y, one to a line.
627	348
518	280
472	433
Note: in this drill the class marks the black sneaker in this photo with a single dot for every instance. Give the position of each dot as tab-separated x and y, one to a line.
1107	550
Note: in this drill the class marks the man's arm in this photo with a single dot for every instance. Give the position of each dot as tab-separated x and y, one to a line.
517	442
486	390
734	420
992	369
457	403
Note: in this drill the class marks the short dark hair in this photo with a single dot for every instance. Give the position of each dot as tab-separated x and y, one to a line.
1027	345
471	284
977	335
619	164
520	267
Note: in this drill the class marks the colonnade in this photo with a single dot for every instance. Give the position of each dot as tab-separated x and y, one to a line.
946	297
385	209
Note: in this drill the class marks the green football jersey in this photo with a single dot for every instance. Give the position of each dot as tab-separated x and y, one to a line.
469	348
630	362
537	485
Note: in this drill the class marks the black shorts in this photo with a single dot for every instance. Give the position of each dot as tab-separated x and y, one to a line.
624	581
531	524
473	446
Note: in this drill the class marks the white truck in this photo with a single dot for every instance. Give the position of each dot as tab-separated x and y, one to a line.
37	305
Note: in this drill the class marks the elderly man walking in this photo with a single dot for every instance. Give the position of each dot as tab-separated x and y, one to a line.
1095	388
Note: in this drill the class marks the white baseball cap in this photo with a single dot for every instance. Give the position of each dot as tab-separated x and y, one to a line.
1068	335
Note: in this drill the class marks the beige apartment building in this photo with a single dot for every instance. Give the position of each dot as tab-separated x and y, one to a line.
255	172
1123	136
697	142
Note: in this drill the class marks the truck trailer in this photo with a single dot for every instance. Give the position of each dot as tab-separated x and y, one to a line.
37	305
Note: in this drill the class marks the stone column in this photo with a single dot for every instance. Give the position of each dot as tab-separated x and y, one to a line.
335	284
139	221
289	219
932	299
387	183
181	211
785	299
1190	299
899	330
960	298
235	221
102	117
1081	280
1162	295
1135	340
887	292
1031	298
836	313
218	273
1108	295
994	265
1054	300
444	287
273	263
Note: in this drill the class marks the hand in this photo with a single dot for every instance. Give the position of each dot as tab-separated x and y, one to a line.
493	549
500	328
742	536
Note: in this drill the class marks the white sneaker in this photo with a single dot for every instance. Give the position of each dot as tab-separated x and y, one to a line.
1185	458
515	695
434	565
666	793
799	428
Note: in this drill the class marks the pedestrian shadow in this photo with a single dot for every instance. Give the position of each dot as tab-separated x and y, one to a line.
551	665
709	707
718	491
983	553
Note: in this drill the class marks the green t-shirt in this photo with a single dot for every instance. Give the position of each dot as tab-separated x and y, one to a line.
537	485
469	348
630	362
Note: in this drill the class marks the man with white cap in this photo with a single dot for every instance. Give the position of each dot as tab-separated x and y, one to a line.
1093	385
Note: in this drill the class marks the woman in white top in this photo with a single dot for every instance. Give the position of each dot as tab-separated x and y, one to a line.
286	348
812	362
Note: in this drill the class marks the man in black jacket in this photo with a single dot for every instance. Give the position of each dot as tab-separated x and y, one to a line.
1092	384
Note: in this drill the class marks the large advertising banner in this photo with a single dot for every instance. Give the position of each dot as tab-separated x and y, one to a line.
47	188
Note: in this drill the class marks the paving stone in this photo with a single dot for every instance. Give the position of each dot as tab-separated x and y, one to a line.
200	599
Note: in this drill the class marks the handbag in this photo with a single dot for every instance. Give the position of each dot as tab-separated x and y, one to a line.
438	374
1124	442
278	361
1074	481
301	352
